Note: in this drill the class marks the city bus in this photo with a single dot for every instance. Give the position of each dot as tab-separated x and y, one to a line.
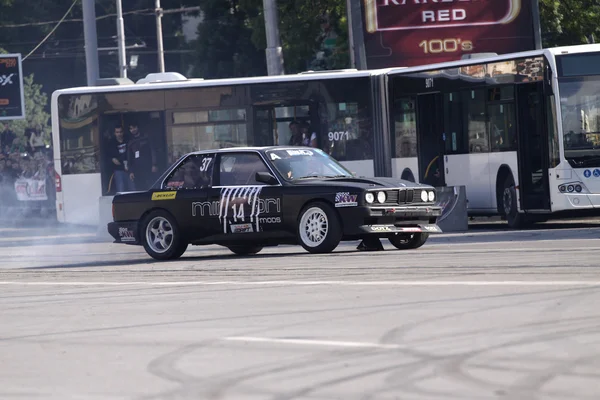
335	110
520	131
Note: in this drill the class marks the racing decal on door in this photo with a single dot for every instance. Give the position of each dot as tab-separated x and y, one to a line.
242	202
240	205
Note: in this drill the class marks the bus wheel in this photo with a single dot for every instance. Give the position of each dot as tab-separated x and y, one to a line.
406	241
509	204
161	237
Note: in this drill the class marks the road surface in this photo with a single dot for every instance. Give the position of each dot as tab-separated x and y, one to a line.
490	314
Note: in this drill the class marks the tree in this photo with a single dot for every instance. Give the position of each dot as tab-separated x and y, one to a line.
314	34
224	47
569	22
35	108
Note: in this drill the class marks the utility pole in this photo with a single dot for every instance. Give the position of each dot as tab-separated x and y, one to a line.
121	41
159	37
273	51
91	42
358	55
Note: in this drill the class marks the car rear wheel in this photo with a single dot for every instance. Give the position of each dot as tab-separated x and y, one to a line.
161	237
242	250
407	241
319	228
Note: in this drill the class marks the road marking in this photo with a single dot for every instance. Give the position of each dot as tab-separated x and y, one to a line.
305	283
50	237
309	342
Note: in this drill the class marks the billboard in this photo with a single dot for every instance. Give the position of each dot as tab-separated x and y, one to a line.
12	97
404	33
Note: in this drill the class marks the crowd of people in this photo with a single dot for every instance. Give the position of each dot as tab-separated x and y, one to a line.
26	173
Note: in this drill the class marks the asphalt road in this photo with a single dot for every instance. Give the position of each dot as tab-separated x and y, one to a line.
490	314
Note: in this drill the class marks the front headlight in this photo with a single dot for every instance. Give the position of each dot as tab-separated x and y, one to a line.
431	196
370	197
424	196
381	197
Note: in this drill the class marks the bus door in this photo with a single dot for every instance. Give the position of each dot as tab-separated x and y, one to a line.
272	122
150	125
532	147
430	142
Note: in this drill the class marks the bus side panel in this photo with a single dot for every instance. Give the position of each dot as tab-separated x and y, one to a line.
81	193
472	171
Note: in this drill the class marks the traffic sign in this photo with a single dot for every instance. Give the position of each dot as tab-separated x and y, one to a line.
12	96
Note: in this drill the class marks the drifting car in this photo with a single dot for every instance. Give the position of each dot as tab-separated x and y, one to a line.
249	198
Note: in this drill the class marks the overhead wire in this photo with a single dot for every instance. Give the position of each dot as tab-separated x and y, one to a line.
52	31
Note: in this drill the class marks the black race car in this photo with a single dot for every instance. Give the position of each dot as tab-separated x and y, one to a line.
248	198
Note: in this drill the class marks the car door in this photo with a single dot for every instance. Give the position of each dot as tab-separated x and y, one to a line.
187	187
242	206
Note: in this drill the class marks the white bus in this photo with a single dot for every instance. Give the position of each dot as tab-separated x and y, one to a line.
179	115
520	131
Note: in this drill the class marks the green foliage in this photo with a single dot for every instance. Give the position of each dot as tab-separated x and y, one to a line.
35	104
314	33
569	22
224	48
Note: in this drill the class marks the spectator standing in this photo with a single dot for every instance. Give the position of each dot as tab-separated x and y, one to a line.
36	140
7	137
118	147
141	159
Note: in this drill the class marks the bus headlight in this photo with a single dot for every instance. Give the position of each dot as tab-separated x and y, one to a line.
431	196
424	196
573	187
370	197
381	197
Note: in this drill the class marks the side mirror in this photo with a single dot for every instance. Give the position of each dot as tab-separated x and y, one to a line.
266	177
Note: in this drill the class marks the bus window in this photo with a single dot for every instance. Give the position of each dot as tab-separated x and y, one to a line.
79	138
476	118
502	132
453	124
405	128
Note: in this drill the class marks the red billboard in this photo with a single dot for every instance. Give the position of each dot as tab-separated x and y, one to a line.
403	33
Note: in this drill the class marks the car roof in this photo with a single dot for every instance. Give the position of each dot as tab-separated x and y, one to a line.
254	149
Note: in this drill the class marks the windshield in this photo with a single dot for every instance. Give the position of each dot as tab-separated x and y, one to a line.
300	163
580	106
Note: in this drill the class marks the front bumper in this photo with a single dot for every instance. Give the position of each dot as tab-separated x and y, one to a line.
124	232
387	229
385	220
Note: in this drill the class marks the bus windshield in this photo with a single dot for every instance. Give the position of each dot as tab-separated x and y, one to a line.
300	163
580	106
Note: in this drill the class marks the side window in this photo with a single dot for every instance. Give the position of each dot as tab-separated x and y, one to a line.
240	169
454	139
476	121
502	127
405	127
195	172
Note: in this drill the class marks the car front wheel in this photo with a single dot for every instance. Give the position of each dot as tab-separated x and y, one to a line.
407	241
161	237
319	228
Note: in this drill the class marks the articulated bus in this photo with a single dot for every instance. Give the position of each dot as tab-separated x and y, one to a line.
520	131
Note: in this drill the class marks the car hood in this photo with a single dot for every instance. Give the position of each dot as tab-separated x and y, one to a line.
363	183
